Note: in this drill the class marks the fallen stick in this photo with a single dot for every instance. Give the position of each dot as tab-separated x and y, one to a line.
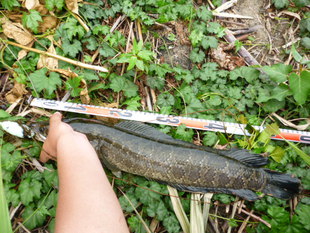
256	217
249	59
247	31
68	60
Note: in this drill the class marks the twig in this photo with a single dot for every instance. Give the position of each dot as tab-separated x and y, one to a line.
233	212
256	217
244	223
68	60
290	43
13	211
247	31
118	23
148	99
249	59
78	18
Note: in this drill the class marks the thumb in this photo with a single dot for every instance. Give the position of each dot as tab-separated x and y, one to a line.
55	119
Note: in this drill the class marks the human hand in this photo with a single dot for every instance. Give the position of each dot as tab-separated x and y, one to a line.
57	130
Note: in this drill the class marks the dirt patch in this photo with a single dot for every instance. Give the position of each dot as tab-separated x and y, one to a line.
276	30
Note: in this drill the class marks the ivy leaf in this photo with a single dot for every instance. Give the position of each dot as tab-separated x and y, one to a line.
204	14
155	82
184	133
71	48
73	28
34	217
300	85
303	212
51	4
196	36
171	224
146	55
209	42
101	29
9	4
4	114
278	72
306	42
29	190
301	3
250	74
73	84
210	138
117	83
165	100
42	82
280	92
197	55
32	20
133	103
280	3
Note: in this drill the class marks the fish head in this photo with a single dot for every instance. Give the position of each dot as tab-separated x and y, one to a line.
37	130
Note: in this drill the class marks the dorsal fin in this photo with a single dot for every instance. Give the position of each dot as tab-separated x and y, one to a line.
149	132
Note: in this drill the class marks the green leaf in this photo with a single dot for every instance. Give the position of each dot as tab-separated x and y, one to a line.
195	37
277	154
101	29
280	92
209	139
73	84
42	82
50	176
303	212
117	83
140	65
302	154
146	55
155	82
71	48
171	224
29	190
184	133
209	42
33	218
32	20
51	4
301	3
4	114
278	72
300	85
280	3
165	100
197	55
250	74
73	28
204	14
306	42
133	103
9	4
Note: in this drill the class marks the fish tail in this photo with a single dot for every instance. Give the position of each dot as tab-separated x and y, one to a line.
281	185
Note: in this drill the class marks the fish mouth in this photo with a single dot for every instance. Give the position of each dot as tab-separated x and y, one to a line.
36	130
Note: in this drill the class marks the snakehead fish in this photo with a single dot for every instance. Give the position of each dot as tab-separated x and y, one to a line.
142	150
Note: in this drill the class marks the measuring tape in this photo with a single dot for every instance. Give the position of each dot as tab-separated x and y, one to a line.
155	118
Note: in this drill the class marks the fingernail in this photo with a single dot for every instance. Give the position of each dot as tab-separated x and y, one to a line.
57	114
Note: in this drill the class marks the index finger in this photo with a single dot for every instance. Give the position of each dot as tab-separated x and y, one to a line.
55	119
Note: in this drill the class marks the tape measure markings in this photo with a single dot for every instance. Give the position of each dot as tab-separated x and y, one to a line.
156	118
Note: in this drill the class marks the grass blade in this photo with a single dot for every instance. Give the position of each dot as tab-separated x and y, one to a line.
178	209
5	223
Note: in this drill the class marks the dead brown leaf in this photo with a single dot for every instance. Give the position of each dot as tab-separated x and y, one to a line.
48	22
31	4
16	92
49	62
66	73
85	99
73	6
17	32
292	125
23	53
